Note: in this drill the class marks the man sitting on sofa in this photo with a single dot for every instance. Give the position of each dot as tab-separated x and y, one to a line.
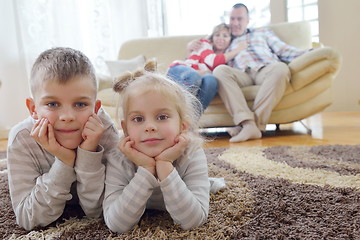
264	64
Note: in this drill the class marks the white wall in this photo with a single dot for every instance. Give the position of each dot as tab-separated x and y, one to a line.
339	27
14	88
339	24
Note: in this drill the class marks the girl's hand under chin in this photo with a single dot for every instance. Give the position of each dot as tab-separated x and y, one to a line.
138	158
172	153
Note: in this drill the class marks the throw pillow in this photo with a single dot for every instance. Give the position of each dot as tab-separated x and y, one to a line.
118	67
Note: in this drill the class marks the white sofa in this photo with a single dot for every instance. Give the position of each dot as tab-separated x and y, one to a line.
309	90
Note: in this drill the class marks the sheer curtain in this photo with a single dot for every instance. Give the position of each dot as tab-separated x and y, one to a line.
94	27
189	17
98	27
28	27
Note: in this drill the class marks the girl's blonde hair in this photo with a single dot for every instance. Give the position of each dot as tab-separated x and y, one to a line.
147	80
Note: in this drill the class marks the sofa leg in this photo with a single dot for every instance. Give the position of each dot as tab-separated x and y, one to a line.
308	130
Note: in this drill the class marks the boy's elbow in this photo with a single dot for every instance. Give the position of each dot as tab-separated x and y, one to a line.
26	225
26	221
95	213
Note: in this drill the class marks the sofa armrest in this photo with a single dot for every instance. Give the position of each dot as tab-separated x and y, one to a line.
317	44
313	65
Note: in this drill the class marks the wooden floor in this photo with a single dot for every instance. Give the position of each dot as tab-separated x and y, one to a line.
328	128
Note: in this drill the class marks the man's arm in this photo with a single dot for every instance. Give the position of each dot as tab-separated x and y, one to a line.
284	51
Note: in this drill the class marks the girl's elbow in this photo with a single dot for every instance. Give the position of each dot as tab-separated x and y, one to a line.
196	223
118	228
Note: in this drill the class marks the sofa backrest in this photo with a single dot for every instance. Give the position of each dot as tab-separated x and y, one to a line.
164	49
170	48
297	34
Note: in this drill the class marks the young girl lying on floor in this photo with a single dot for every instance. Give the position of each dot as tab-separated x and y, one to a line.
161	164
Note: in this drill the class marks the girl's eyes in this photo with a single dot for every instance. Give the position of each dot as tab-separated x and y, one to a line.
138	119
162	117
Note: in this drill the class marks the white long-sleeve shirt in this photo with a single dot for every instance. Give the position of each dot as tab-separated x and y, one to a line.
41	185
129	190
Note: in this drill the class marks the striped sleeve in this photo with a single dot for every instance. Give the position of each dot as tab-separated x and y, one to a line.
39	188
285	52
90	176
211	59
90	169
127	191
186	191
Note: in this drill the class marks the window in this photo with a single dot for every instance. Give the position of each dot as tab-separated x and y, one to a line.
299	10
189	17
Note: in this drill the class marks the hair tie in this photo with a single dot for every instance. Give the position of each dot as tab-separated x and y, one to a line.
125	79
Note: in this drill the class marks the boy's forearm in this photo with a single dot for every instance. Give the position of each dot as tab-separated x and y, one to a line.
90	176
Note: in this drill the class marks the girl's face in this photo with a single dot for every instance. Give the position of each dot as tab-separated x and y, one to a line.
152	123
221	40
67	107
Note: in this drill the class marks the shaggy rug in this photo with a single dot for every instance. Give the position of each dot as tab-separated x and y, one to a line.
277	192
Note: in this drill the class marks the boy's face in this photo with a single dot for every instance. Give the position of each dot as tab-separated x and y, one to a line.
152	123
67	107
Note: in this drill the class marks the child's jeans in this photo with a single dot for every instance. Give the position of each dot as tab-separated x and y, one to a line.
203	87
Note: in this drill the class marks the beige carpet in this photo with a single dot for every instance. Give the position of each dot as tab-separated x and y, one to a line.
272	193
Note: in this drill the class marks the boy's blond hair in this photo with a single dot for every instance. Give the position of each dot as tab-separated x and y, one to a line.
60	65
142	81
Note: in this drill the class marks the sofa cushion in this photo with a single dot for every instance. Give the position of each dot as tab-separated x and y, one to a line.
118	67
108	97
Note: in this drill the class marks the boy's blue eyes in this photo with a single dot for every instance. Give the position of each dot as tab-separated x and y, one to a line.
77	105
80	105
52	104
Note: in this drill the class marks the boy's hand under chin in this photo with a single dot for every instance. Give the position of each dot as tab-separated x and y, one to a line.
92	132
138	158
43	133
